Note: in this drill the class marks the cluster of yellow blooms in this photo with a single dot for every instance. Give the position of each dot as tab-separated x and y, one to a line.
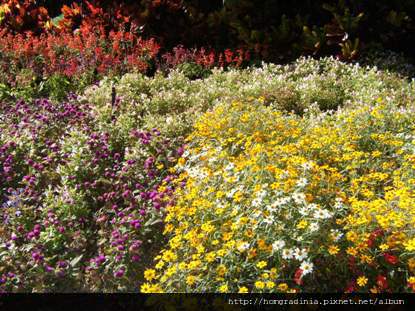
281	203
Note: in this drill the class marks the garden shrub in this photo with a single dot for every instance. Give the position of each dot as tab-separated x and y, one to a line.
275	202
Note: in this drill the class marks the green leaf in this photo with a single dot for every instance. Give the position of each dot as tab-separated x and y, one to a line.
57	19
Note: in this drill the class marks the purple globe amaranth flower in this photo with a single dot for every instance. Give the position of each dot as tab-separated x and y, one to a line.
37	256
62	264
131	162
119	273
115	234
153	194
126	194
100	259
135	258
11	275
180	151
148	162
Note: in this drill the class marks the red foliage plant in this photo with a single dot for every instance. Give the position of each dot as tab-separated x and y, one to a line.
23	15
89	49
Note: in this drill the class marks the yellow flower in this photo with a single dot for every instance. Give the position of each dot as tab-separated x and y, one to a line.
210	257
265	275
283	287
362	281
190	280
410	245
351	251
333	249
145	288
270	284
160	265
384	247
302	224
243	290
150	274
207	227
259	284
223	288
261	264
273	273
169	256
221	270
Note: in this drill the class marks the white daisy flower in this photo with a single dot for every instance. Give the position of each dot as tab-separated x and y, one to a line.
277	245
261	194
313	227
322	214
338	204
256	202
229	167
304	211
306	166
287	253
312	206
243	247
280	202
302	182
306	267
298	197
269	220
300	254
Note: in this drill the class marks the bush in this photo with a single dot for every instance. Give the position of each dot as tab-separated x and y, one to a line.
278	203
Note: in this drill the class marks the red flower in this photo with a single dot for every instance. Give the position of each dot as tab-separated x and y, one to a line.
382	282
297	277
393	260
350	287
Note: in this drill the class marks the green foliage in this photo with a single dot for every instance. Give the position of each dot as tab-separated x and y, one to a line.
56	86
193	71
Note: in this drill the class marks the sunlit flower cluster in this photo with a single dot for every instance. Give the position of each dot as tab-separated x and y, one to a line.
274	202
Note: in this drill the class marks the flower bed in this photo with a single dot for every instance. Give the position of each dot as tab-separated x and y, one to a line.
80	204
279	203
